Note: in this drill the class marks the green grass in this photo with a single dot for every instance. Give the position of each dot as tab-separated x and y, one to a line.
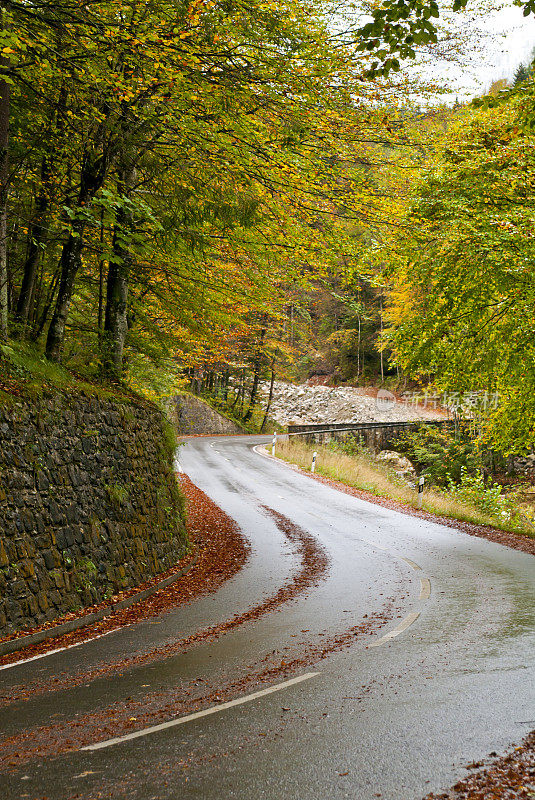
24	371
28	366
364	472
117	493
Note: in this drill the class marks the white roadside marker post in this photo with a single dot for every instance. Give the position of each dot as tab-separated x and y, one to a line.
421	481
313	467
273	444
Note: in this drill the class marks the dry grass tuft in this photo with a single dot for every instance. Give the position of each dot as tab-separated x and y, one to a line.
364	472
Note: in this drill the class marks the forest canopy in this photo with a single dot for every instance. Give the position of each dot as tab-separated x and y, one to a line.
171	169
236	188
462	291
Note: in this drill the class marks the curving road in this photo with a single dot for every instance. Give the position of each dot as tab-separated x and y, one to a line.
395	652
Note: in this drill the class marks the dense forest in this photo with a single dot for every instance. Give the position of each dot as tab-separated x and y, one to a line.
174	174
215	193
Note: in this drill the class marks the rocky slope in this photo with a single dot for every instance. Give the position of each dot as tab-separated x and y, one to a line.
304	404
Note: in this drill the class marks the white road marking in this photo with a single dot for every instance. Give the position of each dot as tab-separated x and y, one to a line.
410	563
258	449
425	583
198	714
57	650
425	588
403	625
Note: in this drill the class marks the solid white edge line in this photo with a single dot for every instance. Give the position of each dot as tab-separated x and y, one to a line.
198	714
287	464
57	650
403	625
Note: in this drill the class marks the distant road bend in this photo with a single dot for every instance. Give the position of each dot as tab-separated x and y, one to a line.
384	654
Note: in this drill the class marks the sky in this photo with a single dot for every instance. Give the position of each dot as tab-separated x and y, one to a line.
518	40
501	40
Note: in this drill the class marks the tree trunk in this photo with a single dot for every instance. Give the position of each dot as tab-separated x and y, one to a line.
92	177
270	398
116	322
256	376
36	237
100	321
69	263
358	353
5	96
40	322
381	345
241	389
37	231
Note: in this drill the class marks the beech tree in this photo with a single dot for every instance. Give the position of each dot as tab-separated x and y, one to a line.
461	265
175	167
238	122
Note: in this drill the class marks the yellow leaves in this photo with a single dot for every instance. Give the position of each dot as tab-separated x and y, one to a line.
229	161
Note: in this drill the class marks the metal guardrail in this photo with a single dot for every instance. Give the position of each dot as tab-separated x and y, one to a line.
339	427
374	435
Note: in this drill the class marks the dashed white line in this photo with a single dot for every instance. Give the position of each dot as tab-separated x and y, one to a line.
425	583
425	588
403	625
198	714
406	622
411	563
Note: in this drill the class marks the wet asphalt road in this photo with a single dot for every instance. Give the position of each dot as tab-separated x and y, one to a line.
385	717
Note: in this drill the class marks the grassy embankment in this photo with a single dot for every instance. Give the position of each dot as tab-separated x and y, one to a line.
24	371
364	472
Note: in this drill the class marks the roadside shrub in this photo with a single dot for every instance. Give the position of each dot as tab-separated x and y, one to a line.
350	446
441	453
487	496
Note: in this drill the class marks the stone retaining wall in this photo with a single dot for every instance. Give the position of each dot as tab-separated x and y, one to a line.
192	415
89	504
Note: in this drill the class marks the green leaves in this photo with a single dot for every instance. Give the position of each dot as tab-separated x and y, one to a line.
401	24
241	126
461	309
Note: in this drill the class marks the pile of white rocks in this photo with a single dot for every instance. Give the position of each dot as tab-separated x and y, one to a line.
524	463
302	404
401	466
